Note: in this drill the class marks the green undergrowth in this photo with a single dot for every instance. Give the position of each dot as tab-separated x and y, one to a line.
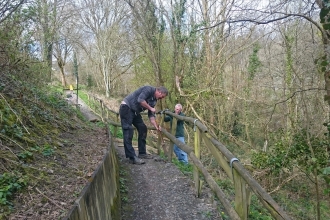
186	169
90	101
9	184
119	132
95	105
31	119
123	184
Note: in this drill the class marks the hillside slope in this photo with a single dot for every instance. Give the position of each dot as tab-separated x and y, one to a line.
48	151
58	179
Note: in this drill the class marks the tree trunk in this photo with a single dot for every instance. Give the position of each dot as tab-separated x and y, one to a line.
63	76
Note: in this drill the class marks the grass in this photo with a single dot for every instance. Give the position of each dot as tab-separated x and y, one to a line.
119	131
123	185
186	169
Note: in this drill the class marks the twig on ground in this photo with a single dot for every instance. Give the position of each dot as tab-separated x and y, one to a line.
5	137
49	199
284	182
15	114
8	149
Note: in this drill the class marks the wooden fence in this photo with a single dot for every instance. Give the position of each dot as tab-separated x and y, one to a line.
244	183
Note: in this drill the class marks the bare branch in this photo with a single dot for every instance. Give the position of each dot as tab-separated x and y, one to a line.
290	97
8	7
285	16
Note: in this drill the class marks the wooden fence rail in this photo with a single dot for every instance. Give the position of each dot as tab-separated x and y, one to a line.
244	183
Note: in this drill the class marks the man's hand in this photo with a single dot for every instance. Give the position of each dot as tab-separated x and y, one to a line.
154	123
153	110
147	106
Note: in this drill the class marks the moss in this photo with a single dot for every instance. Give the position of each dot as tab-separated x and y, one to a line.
27	124
115	208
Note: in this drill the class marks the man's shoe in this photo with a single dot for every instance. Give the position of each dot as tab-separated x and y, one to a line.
146	156
136	160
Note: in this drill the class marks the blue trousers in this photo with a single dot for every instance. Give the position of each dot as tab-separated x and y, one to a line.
180	154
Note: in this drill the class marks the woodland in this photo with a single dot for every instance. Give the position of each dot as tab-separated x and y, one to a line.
256	73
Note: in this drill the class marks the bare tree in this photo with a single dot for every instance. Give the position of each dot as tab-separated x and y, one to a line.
149	29
105	23
62	50
7	7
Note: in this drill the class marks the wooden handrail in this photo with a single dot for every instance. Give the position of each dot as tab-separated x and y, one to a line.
191	121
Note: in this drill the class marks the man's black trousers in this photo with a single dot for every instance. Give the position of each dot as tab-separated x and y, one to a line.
127	119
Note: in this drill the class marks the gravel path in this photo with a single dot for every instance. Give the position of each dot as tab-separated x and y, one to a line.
160	191
83	107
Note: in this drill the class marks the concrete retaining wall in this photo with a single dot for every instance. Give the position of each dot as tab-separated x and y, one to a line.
100	199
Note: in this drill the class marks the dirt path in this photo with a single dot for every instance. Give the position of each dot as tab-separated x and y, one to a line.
84	109
159	191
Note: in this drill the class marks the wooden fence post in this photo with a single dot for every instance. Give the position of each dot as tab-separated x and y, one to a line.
94	104
222	161
102	110
159	143
115	127
173	131
160	134
198	184
242	197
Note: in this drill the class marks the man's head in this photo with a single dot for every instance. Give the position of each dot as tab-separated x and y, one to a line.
161	92
178	108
